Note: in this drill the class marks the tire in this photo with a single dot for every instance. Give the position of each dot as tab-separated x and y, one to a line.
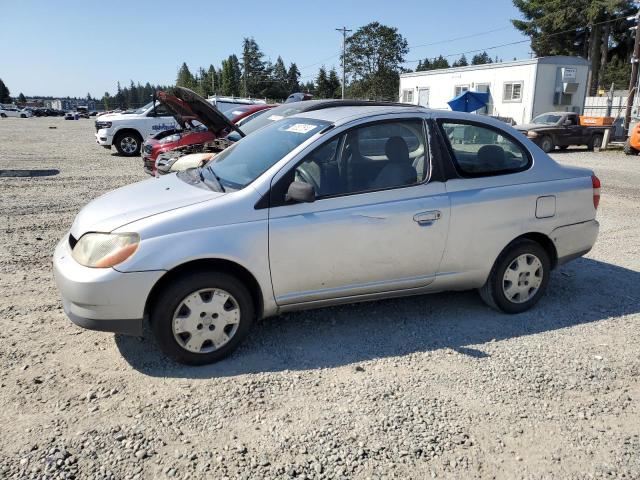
628	149
128	144
595	142
23	116
517	257
174	325
546	144
3	115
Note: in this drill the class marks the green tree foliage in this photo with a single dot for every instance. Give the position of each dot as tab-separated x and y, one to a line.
462	62
322	84
278	87
230	76
433	64
21	99
481	59
579	27
106	101
5	94
185	78
373	60
334	85
254	69
293	79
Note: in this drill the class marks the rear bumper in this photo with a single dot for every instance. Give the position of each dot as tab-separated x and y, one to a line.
573	241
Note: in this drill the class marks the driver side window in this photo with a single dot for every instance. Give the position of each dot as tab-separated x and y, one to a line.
377	156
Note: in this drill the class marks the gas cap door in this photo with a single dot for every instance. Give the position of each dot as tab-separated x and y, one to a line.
546	206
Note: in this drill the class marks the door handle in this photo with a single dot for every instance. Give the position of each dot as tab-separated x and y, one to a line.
427	218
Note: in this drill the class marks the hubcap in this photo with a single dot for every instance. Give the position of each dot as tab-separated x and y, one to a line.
128	144
522	278
206	320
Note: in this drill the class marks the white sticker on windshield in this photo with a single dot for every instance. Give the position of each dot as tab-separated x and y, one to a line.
300	128
275	118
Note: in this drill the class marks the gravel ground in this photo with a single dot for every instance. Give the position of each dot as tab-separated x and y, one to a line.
432	386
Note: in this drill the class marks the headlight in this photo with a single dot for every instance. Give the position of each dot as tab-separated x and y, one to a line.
101	125
166	160
532	135
103	250
171	138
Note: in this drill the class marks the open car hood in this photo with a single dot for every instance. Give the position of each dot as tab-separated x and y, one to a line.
186	105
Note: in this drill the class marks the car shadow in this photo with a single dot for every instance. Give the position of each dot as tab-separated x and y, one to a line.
583	291
29	173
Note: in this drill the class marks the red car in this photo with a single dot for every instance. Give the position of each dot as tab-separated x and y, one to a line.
195	130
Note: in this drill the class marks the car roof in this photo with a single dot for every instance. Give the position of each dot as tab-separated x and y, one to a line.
340	113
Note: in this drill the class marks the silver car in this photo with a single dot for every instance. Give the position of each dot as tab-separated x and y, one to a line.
331	206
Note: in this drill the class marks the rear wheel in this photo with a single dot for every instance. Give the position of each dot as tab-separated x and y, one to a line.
3	115
595	142
546	144
128	143
628	149
518	278
202	317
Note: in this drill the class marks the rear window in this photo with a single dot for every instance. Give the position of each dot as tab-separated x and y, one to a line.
483	151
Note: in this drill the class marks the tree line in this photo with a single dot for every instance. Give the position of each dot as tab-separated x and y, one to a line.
376	54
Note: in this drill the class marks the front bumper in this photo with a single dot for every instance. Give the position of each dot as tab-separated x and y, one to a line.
104	138
102	298
573	241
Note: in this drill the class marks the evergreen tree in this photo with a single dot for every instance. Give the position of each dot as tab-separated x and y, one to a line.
133	100
185	77
334	87
293	79
230	76
481	59
439	63
106	101
212	81
119	98
322	84
279	87
21	99
253	69
5	95
462	62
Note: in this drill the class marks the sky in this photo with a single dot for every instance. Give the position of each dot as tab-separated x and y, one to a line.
72	47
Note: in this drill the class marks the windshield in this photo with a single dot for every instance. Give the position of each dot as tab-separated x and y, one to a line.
546	119
243	162
141	110
235	111
277	113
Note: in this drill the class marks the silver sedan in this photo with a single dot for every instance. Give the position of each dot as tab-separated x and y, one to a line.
344	204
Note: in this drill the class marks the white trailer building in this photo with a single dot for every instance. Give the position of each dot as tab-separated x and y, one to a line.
519	90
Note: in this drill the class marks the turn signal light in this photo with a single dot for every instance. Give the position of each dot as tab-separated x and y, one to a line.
595	181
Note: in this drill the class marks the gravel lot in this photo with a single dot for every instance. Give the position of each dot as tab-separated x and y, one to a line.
432	386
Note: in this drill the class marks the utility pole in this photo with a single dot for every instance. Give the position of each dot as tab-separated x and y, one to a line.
344	42
633	82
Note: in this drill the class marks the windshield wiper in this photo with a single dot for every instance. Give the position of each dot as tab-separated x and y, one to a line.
210	168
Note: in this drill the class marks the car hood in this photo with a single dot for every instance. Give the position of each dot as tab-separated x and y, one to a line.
186	105
117	116
138	201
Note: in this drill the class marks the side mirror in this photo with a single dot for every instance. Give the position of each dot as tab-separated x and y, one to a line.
300	192
567	123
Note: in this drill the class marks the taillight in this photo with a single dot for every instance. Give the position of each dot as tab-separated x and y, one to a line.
595	181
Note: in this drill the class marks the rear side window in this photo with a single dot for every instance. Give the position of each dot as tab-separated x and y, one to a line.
480	151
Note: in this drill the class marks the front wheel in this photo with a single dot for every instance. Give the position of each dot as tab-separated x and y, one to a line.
518	278
546	144
128	144
595	142
3	115
202	317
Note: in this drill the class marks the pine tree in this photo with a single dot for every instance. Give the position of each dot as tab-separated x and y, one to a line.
481	59
334	87
462	62
5	95
185	77
21	99
322	84
253	69
230	76
293	79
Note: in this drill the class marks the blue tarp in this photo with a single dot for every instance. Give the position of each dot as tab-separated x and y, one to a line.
469	101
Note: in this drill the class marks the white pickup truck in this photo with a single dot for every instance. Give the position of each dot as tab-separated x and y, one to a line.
127	130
